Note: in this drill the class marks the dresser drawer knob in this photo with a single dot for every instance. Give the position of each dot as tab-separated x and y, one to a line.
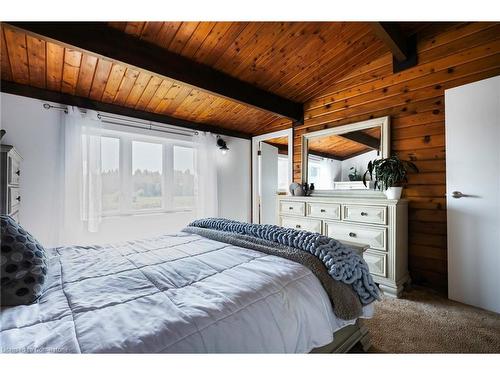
18	199
364	213
323	210
290	208
352	234
18	172
297	226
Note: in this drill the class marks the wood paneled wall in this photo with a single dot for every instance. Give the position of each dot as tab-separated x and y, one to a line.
414	99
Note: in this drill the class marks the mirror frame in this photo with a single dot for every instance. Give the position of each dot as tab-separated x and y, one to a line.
385	144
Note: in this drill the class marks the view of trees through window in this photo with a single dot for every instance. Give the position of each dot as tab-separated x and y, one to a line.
146	175
183	196
146	184
110	174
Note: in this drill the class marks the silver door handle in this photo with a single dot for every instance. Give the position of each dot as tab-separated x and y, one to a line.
458	194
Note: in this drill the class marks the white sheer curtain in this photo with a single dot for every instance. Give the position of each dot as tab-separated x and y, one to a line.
81	172
206	175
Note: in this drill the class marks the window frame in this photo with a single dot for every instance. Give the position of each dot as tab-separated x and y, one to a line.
125	170
317	166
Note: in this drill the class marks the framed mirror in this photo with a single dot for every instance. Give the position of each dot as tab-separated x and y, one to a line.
335	159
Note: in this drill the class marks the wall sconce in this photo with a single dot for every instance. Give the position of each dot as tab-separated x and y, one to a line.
222	145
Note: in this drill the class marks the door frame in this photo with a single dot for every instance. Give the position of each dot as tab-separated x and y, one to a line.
255	165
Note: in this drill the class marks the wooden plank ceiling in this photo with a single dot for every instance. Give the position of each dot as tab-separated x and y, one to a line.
341	147
295	60
281	143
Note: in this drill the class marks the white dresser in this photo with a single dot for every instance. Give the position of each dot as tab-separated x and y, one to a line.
10	172
379	223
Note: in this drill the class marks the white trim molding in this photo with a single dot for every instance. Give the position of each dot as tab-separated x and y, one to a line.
255	162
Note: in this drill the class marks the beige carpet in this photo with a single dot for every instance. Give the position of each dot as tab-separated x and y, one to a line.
423	321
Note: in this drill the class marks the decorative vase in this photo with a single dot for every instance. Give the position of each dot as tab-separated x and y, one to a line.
299	191
393	192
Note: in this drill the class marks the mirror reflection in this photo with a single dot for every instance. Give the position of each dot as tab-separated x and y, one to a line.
338	161
278	148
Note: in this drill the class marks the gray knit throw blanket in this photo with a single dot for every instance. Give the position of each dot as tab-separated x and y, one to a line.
343	263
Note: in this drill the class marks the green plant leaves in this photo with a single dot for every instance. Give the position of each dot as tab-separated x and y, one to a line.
388	172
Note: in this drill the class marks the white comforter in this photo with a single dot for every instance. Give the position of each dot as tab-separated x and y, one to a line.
180	293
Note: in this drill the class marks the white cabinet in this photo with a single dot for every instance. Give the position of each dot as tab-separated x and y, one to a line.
373	236
379	224
323	210
291	208
10	172
301	224
364	214
350	185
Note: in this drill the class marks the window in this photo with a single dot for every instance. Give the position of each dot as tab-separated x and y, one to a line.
314	172
183	190
146	175
110	173
142	174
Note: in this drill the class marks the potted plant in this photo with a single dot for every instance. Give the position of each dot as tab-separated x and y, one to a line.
390	175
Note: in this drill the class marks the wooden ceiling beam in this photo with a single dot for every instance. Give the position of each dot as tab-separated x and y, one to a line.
362	138
99	39
391	34
354	154
402	47
81	102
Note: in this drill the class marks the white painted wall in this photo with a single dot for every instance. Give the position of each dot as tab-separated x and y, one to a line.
360	162
35	132
339	170
331	170
234	180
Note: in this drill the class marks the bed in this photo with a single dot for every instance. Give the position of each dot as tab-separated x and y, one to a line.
182	293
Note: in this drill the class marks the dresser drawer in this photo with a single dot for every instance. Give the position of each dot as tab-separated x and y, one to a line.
310	225
365	214
292	208
323	210
377	262
376	238
14	199
14	170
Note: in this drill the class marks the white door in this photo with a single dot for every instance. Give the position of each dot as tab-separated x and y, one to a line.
473	193
268	183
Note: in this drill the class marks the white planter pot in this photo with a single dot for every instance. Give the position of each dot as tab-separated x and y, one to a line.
393	192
